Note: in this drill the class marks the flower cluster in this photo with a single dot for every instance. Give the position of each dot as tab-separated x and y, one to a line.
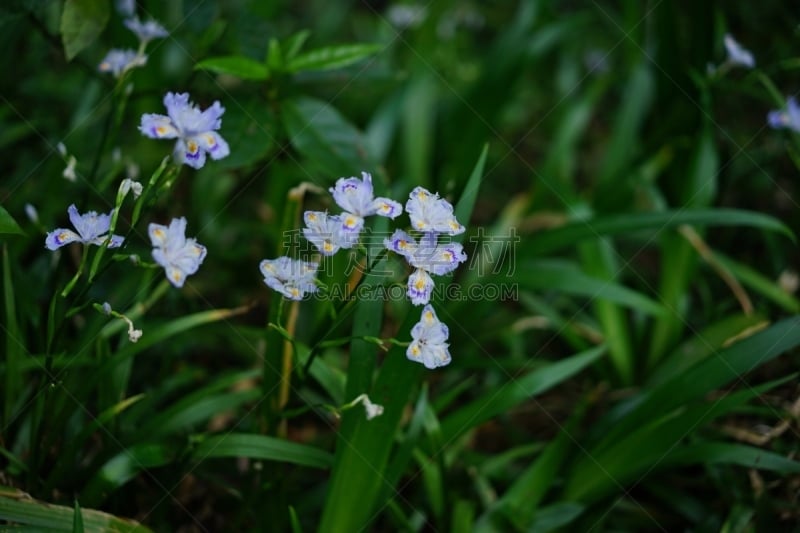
430	217
194	130
330	233
433	216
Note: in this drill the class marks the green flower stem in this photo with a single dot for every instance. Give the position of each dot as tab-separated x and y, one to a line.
77	276
154	179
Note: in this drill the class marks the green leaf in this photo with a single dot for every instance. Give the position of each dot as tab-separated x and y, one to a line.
82	21
295	43
738	454
760	283
19	508
521	500
362	461
707	342
77	519
629	457
717	370
514	392
261	447
321	134
332	57
552	240
8	226
466	203
15	350
125	466
567	277
238	66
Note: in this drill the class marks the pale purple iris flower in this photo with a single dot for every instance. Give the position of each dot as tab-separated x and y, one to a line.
292	278
429	213
92	228
180	257
356	197
428	257
329	233
146	31
429	341
194	130
788	118
117	61
738	56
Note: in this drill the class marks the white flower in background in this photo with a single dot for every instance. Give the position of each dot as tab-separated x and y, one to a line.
737	56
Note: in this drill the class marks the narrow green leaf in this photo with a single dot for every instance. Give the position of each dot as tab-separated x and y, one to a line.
154	336
556	516
294	521
77	519
738	454
321	134
8	226
637	446
704	344
717	370
191	411
601	260
295	43
82	21
556	239
463	517
515	392
332	57
362	461
759	283
19	508
521	501
15	351
567	277
238	66
261	447
466	203
639	94
125	466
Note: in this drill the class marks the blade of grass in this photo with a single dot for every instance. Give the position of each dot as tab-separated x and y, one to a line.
260	447
19	508
643	449
566	277
556	239
599	260
15	352
515	392
362	454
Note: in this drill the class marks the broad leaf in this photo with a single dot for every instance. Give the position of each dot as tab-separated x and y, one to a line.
82	21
